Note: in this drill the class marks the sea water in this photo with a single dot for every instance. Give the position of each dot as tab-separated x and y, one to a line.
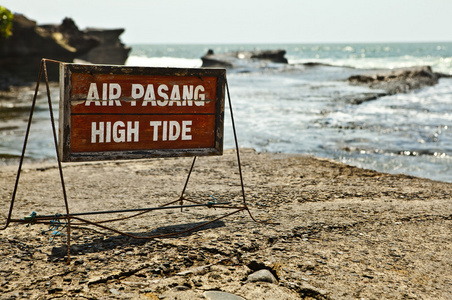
301	108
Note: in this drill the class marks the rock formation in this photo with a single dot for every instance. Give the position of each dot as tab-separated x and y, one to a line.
390	82
69	34
110	49
398	80
235	58
21	53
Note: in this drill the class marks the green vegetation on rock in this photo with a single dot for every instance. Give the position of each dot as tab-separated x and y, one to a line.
6	22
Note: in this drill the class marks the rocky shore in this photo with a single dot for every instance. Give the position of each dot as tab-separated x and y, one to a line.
239	58
21	53
390	82
341	233
384	82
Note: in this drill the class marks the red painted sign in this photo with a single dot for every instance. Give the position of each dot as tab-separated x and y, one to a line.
113	112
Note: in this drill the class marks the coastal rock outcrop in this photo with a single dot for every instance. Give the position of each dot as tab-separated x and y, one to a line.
390	82
21	53
398	80
67	33
110	50
236	58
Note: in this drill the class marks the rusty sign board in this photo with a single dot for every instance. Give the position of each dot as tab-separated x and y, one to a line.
116	112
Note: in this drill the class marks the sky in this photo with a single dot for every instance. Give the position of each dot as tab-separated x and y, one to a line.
252	21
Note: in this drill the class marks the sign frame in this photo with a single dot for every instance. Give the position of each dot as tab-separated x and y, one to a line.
175	204
69	99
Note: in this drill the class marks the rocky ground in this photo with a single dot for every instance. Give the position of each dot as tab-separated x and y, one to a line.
342	232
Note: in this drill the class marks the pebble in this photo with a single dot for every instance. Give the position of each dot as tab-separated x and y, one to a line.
263	275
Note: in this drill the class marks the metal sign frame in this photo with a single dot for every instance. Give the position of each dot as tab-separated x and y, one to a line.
68	217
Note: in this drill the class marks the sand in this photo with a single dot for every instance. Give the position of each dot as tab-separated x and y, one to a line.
343	232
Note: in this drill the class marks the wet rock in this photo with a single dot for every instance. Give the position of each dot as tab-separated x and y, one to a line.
397	81
361	98
236	58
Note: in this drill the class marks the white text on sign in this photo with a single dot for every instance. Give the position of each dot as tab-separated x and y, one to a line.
184	95
120	132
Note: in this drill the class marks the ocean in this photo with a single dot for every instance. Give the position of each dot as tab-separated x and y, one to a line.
300	108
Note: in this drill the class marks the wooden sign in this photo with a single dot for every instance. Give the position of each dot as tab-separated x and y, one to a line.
115	112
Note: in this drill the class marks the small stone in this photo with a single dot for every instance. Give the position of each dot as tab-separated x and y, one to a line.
263	275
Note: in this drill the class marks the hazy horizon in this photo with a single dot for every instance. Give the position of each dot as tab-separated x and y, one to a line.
253	21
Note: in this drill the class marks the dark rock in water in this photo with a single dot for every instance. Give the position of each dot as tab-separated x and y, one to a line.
110	49
210	60
361	98
233	59
399	80
276	56
21	53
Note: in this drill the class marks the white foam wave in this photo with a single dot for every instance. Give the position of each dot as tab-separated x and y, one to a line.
438	64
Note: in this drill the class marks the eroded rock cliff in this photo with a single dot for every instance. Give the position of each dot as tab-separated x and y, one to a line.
21	53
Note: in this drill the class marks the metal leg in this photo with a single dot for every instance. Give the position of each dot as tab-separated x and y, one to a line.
27	132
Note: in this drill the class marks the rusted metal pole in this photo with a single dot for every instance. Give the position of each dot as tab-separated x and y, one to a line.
27	132
52	120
